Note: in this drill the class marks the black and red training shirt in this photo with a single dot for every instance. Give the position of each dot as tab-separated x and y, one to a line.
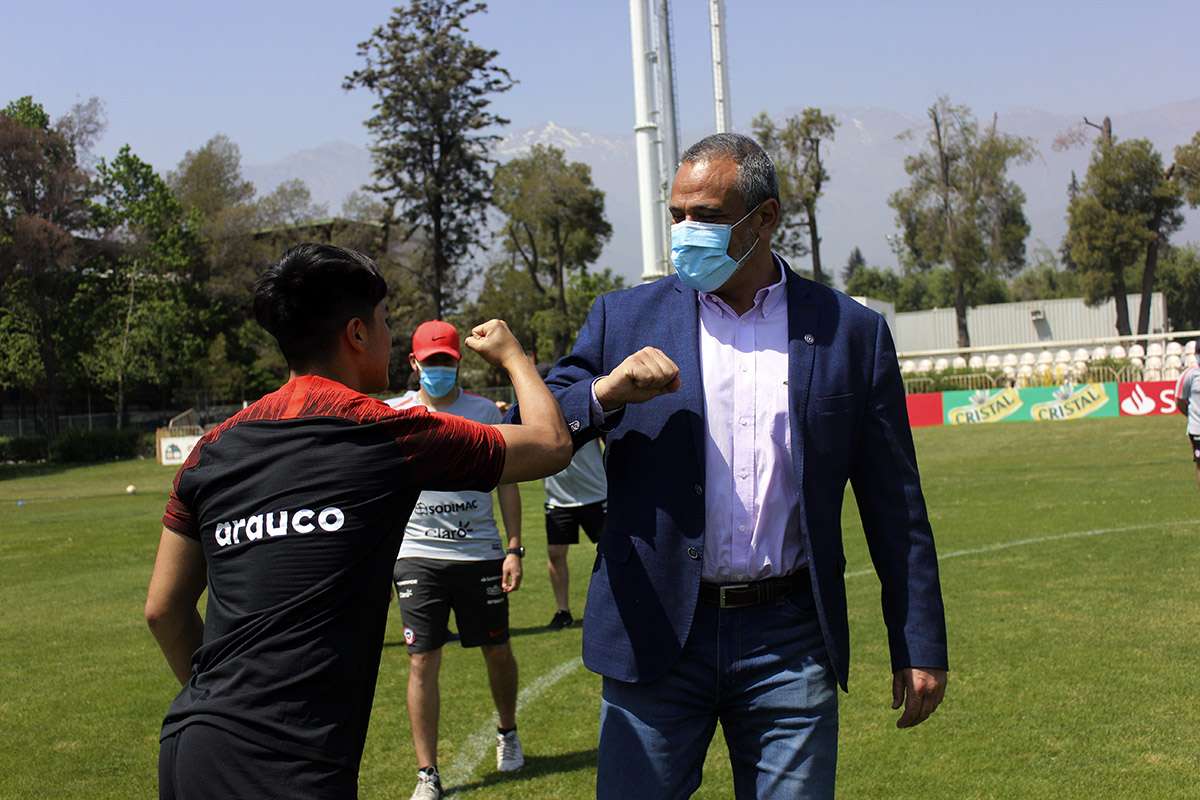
299	503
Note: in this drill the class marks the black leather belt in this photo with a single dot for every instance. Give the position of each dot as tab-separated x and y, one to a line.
737	595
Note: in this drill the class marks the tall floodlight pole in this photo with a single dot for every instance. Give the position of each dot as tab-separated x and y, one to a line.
670	118
716	17
646	136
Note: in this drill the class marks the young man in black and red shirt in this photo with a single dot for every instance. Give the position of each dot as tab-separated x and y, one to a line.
290	513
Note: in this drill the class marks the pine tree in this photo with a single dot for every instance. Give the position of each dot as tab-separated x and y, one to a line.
431	152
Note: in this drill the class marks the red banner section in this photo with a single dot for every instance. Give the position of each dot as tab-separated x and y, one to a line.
924	409
1147	397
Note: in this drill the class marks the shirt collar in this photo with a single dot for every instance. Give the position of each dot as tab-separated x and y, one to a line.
766	301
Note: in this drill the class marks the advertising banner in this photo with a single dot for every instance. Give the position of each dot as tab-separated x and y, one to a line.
1040	404
174	445
924	409
1147	397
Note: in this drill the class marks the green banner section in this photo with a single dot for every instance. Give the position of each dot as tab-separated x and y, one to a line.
1040	404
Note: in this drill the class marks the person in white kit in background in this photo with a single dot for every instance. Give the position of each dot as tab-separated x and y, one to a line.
452	557
576	498
1187	400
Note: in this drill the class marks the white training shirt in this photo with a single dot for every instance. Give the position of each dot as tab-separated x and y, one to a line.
582	482
453	526
1188	388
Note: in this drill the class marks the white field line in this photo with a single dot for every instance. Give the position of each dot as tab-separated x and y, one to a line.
1039	539
16	501
482	743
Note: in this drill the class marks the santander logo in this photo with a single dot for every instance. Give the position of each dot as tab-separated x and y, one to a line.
1138	403
1147	397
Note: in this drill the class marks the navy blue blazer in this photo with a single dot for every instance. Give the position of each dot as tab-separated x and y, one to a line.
849	423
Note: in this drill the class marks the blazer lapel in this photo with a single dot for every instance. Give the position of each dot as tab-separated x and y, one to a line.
684	314
803	338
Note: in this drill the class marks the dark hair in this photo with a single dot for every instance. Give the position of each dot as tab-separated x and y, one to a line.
306	298
756	179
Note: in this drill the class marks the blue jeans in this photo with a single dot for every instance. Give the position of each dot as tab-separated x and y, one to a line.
763	672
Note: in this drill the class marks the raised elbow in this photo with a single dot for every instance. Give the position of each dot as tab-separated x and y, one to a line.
564	450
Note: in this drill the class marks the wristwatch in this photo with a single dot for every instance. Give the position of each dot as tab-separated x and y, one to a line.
519	552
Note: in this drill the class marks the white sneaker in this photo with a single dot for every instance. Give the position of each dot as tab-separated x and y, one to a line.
429	785
508	752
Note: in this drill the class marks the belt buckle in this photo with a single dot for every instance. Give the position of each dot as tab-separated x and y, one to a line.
728	586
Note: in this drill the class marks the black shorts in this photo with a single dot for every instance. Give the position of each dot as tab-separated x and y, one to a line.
428	588
563	522
1195	440
201	762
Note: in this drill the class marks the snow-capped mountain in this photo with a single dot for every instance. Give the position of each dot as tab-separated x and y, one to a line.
865	162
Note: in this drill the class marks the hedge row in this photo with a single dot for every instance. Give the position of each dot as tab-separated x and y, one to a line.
23	448
75	446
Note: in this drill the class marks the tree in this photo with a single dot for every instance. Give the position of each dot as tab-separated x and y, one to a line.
209	186
82	127
1187	170
362	207
220	202
145	324
874	282
209	180
555	225
1178	278
1182	184
1045	279
290	203
1124	209
583	288
960	210
431	157
853	264
508	293
920	290
796	150
44	196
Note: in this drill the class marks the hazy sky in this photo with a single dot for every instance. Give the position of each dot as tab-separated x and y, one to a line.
269	74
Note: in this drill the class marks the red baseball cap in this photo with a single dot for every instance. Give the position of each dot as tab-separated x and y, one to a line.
435	336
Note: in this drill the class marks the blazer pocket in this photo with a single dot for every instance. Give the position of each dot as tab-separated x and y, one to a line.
835	404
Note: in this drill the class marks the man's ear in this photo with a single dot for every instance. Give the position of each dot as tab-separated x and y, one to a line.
768	215
412	361
357	334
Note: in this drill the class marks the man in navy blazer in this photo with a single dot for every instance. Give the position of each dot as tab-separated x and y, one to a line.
690	619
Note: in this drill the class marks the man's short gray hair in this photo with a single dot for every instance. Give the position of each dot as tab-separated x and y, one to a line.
756	179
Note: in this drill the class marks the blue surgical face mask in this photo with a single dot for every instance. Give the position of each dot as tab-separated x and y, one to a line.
700	253
437	381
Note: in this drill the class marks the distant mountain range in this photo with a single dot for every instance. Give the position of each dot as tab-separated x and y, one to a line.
865	162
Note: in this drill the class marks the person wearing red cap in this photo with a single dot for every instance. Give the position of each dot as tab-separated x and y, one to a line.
453	558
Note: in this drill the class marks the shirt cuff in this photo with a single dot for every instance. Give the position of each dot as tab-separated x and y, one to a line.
599	415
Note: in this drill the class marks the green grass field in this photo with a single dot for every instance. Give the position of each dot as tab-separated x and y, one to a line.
1070	568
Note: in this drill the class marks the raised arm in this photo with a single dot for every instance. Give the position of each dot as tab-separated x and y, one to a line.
539	445
642	376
